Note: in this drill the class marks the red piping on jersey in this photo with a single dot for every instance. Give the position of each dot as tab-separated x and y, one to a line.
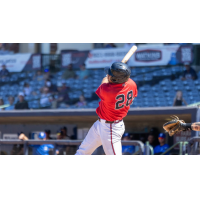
111	138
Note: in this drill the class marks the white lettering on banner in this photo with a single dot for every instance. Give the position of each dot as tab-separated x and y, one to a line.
7	61
10	136
66	59
36	61
148	55
15	62
100	58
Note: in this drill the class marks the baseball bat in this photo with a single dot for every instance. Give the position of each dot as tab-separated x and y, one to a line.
129	54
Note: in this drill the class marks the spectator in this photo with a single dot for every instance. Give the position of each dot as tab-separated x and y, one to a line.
63	97
69	72
1	103
129	45
178	100
61	149
48	133
44	149
64	130
189	73
162	147
151	140
45	99
11	103
4	73
81	102
39	76
60	135
52	88
47	74
21	104
127	150
110	45
84	73
27	89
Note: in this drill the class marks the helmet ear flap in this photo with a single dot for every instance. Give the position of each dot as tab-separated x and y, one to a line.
113	79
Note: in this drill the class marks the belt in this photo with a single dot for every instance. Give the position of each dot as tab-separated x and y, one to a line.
109	122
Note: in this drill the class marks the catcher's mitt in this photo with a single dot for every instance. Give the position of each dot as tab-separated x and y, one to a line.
174	126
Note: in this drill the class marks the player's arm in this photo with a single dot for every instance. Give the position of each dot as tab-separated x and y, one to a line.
190	126
105	80
23	137
196	126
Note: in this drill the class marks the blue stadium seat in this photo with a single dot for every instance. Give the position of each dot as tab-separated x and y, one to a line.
188	88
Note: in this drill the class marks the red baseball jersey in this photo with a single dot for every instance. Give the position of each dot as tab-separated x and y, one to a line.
115	99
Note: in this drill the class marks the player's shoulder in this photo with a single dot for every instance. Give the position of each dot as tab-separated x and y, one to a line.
157	147
131	82
105	85
166	146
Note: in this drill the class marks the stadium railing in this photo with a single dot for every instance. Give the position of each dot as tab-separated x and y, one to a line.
26	144
148	149
193	146
173	146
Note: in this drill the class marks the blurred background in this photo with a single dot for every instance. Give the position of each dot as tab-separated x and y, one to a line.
50	88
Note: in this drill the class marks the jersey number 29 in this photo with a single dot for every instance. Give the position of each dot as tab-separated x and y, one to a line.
121	100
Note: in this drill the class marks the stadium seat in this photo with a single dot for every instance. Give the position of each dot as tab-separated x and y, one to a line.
188	88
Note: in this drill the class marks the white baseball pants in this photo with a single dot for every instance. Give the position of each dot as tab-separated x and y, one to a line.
105	134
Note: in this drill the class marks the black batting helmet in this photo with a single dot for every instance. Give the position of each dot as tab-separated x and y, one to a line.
120	72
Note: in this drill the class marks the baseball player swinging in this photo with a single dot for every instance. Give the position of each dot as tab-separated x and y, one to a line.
117	92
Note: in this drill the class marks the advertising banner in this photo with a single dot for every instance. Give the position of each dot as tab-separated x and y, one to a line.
15	62
144	56
163	55
100	58
76	58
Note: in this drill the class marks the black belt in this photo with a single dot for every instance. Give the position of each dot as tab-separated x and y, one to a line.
109	122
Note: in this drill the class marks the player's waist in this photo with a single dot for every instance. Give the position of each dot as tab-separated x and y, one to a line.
108	122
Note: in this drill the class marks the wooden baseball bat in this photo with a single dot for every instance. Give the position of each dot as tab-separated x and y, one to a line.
129	54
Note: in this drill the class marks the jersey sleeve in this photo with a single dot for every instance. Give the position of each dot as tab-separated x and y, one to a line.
100	91
135	89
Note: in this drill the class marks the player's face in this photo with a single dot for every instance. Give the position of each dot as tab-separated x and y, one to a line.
179	94
21	98
187	67
161	140
150	139
81	98
59	137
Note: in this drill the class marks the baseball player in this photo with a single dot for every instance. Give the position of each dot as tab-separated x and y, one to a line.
117	92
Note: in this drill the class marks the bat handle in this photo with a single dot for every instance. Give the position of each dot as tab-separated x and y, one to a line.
129	54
